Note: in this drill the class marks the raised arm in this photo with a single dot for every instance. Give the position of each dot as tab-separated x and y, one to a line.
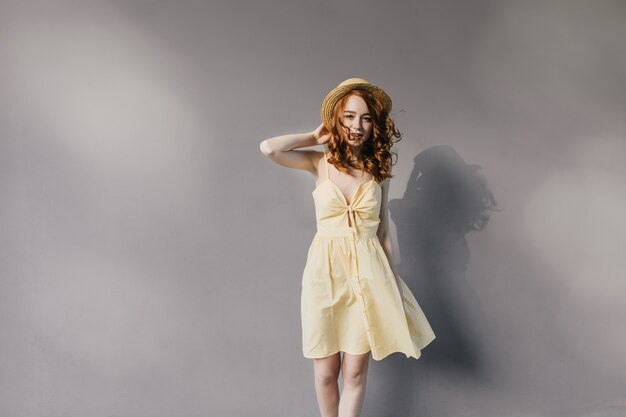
280	149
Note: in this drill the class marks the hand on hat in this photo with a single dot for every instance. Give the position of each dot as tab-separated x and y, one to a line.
321	134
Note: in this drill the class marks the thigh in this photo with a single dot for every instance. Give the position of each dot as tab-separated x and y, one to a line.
327	367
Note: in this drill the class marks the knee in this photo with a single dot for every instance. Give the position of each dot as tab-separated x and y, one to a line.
354	377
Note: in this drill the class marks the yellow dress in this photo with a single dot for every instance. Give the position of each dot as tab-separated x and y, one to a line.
350	300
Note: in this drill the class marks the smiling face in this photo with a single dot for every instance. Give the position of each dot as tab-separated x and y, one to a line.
356	118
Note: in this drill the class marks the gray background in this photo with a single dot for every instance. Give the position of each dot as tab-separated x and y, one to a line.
151	256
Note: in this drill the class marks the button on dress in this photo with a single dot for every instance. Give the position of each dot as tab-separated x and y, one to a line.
350	300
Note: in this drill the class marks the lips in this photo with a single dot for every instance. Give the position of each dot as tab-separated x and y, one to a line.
355	137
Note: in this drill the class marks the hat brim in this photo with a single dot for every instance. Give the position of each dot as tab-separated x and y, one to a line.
333	97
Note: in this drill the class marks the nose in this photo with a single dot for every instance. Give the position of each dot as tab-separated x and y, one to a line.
356	125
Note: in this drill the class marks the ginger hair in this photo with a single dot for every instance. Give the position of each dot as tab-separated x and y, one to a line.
376	153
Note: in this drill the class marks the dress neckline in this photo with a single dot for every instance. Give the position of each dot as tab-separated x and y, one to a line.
354	195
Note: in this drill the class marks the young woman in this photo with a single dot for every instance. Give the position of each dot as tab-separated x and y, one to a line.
352	299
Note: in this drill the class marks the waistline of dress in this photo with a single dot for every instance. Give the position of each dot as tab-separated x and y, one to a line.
349	231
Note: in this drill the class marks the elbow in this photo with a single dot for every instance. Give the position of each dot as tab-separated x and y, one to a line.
266	148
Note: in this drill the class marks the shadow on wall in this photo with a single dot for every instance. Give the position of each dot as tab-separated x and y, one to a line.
445	199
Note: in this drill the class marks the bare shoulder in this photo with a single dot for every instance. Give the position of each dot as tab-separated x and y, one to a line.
384	184
319	163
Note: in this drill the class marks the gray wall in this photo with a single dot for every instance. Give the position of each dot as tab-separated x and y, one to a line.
151	256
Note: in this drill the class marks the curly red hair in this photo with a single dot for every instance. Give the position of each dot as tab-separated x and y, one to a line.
376	153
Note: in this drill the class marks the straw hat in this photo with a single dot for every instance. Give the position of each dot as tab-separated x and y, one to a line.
344	88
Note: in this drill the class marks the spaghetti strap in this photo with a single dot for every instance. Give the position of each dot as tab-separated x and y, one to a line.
326	163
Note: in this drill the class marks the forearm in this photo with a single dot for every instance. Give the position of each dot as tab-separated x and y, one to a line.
286	143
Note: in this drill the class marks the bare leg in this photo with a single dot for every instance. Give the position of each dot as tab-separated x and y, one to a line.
326	384
354	371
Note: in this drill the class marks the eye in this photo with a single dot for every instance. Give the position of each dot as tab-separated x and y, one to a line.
348	116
